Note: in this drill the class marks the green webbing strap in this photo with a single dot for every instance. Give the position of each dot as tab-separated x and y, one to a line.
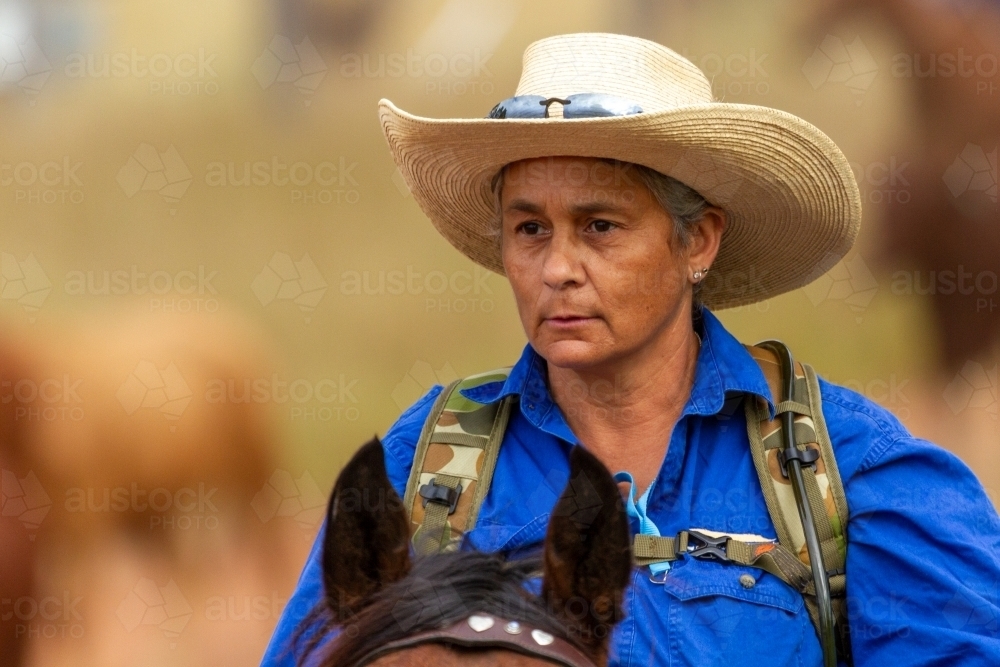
435	531
792	406
423	442
464	439
768	556
832	558
473	432
648	549
837	522
497	430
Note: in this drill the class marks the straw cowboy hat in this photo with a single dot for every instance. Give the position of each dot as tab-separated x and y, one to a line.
793	207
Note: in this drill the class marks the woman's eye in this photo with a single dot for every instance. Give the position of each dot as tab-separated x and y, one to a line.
602	226
530	228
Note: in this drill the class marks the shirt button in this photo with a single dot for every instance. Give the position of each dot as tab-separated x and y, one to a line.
531	406
747	581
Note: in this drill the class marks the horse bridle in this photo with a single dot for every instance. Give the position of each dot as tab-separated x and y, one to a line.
483	631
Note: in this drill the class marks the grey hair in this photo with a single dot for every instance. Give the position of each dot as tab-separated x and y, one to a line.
685	206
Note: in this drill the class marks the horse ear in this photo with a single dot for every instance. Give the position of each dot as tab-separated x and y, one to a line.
366	546
587	555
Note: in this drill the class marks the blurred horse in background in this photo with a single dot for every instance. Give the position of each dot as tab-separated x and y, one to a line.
949	229
951	222
17	546
143	539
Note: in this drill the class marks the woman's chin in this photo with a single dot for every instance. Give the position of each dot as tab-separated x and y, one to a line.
572	354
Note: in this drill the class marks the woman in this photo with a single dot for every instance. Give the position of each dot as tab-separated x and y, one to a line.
677	205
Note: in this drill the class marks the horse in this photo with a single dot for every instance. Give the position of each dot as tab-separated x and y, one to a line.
947	225
387	608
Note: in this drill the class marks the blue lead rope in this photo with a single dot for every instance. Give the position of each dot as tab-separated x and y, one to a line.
636	509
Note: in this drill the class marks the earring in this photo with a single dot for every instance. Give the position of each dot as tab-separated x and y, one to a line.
699	274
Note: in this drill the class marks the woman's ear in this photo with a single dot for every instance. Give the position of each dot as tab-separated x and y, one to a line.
706	238
587	554
367	541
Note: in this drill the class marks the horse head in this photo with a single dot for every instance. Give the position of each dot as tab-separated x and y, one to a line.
466	607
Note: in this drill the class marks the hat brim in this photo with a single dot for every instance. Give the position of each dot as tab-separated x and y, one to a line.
793	207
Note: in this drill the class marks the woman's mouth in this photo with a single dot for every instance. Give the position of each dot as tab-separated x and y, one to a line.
568	321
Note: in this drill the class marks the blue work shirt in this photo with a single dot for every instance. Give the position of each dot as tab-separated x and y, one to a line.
923	557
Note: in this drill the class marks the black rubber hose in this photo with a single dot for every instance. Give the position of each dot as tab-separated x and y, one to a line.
793	467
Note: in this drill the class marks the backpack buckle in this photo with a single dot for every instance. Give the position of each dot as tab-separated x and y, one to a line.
705	547
806	457
441	494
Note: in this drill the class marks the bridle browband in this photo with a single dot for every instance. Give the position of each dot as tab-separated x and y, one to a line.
482	631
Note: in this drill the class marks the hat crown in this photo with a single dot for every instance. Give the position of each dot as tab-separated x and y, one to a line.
651	75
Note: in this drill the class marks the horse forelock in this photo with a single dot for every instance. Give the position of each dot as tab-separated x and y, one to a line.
437	655
440	590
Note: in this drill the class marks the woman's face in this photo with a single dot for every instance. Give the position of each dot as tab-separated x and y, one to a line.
590	256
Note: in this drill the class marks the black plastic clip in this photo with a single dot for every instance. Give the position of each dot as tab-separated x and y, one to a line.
705	547
441	494
807	457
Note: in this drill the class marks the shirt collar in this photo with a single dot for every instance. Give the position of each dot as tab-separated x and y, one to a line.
724	367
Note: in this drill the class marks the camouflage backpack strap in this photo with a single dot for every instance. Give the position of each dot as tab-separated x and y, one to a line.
453	464
823	485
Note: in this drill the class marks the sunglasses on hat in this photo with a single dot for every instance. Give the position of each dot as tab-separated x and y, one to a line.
578	105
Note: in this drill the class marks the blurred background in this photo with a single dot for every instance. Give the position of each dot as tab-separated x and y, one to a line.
203	238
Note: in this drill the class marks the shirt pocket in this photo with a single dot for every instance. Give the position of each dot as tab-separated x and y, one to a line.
722	613
515	540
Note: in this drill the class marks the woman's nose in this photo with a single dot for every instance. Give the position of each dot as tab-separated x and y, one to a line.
562	261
